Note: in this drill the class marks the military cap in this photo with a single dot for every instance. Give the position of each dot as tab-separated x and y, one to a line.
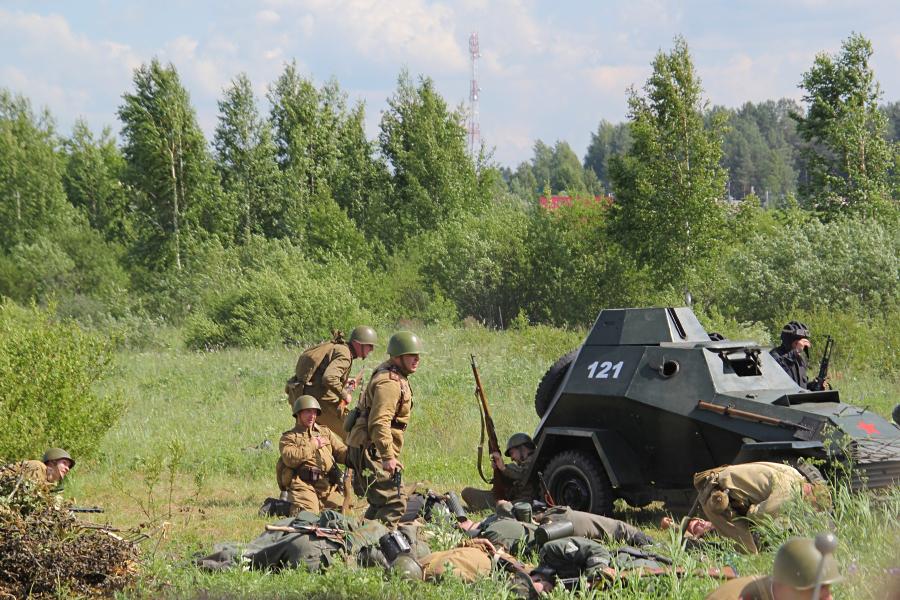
57	454
794	330
519	439
364	335
797	564
404	342
306	401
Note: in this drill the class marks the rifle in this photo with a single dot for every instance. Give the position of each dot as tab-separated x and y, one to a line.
499	481
313	529
548	498
85	509
818	383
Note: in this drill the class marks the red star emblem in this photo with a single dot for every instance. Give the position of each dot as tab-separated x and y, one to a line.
869	428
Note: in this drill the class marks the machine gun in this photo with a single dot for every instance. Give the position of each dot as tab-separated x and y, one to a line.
85	509
499	481
818	383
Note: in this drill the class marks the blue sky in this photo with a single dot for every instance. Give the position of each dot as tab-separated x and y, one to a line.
549	70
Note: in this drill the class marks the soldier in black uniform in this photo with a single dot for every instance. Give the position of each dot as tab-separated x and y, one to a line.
793	354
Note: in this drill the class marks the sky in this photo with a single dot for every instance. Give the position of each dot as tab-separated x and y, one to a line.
548	70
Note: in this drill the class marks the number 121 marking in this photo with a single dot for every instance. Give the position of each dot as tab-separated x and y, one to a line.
604	368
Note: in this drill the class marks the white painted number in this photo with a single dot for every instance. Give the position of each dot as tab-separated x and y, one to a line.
605	368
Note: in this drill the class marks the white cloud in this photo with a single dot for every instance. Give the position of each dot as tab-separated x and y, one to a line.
268	17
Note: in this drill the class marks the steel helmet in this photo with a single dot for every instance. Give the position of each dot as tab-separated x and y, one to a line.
406	567
306	401
404	342
794	330
57	454
519	439
364	335
797	564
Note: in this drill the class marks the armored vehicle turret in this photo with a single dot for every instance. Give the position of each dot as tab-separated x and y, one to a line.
649	399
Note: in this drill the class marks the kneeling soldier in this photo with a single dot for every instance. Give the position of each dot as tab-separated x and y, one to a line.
520	448
308	468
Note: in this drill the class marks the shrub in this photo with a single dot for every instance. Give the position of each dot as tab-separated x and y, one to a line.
47	374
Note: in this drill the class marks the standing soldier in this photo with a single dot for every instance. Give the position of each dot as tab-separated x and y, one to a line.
323	372
52	467
376	435
308	468
520	448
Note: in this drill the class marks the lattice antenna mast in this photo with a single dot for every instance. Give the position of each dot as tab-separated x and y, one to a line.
474	128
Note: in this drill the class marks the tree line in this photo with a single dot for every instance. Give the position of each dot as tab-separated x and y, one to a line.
290	220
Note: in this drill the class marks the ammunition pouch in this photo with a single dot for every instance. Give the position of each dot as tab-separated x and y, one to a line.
308	474
350	419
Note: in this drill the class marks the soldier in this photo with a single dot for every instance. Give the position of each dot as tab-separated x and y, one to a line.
597	527
795	573
520	448
323	372
376	433
734	495
308	467
793	355
52	467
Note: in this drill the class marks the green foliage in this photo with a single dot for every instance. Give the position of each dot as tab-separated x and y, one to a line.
668	214
432	177
93	181
609	140
269	292
34	203
246	162
48	371
848	154
169	167
557	169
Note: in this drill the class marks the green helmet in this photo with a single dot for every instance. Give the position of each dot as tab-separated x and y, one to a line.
406	567
519	439
57	454
404	342
797	563
304	402
364	335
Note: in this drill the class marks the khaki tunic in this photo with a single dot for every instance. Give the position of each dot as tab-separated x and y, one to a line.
326	384
36	471
754	489
468	563
377	435
299	454
752	587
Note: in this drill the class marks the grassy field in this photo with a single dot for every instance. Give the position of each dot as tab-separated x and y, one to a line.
190	452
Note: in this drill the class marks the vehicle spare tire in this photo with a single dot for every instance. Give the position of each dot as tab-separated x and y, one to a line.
550	382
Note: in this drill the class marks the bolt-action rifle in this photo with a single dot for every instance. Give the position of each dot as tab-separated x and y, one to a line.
499	481
818	383
85	509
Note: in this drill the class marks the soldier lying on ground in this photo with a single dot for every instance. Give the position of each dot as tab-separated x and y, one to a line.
520	448
799	566
308	467
323	372
51	469
315	542
733	496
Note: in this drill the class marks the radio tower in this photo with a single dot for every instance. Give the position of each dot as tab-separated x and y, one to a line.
473	126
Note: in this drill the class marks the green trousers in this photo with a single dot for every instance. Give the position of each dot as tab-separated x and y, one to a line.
385	502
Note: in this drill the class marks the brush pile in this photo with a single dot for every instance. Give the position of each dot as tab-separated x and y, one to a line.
46	551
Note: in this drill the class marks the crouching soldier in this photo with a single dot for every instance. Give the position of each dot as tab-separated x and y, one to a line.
734	496
308	468
520	448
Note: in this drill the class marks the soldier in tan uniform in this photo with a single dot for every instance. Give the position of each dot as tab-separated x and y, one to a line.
309	456
794	576
323	372
520	448
378	425
734	495
52	467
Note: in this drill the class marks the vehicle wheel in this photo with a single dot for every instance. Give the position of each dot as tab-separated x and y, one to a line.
578	480
546	389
